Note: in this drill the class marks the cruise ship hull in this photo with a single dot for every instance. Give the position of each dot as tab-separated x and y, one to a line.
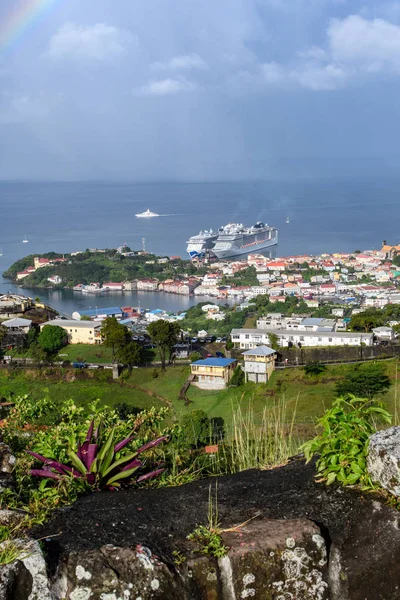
250	248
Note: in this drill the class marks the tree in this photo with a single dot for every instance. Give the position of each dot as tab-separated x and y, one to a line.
367	320
131	354
114	335
52	338
164	336
31	337
273	341
38	354
237	377
195	356
3	333
195	429
85	318
365	381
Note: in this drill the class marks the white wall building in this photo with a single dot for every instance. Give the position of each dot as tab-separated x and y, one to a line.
251	338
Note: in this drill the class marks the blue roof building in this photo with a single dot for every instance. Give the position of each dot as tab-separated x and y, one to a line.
212	373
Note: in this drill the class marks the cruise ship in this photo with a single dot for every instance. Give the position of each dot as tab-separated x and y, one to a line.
235	239
199	245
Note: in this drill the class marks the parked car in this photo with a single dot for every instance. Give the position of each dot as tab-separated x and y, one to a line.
220	355
194	340
79	365
224	339
218	340
93	366
208	355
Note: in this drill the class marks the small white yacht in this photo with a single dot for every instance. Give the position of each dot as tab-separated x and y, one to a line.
25	240
146	214
287	220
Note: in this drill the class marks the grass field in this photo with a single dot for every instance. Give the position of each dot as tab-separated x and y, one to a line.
307	397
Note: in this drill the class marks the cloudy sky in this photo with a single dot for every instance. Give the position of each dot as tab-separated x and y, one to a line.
200	89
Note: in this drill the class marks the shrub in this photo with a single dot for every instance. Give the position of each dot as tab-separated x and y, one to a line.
195	429
342	444
364	381
237	377
315	368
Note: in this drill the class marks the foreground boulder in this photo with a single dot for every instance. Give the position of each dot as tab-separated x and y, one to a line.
383	460
289	538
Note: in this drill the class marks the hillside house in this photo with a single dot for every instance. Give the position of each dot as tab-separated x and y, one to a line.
79	332
212	373
259	364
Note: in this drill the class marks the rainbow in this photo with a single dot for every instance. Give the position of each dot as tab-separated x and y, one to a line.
21	18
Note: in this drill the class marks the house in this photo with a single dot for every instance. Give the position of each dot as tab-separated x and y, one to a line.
384	333
79	332
17	325
212	373
181	350
259	364
56	279
17	330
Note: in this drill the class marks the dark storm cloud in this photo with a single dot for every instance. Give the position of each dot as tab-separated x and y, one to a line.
200	90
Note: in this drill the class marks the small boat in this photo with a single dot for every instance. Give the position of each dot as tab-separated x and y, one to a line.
25	240
287	220
146	214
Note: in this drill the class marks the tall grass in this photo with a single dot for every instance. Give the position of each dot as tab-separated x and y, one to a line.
260	442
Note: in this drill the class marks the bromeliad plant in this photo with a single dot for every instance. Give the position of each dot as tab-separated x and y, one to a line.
342	445
98	461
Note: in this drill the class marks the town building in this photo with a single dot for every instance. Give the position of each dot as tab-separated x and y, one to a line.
79	332
17	325
251	338
147	285
384	333
259	364
100	313
13	305
212	373
16	331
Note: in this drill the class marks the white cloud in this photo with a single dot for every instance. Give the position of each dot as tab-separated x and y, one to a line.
320	77
21	109
370	44
273	73
96	43
182	62
166	87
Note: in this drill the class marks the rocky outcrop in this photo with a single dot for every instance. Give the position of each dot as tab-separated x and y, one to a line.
304	541
7	462
383	460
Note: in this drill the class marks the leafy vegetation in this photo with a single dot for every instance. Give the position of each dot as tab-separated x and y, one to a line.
52	338
314	369
101	267
98	461
364	381
208	537
164	335
342	444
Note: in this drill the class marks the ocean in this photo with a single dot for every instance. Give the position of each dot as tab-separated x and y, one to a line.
325	216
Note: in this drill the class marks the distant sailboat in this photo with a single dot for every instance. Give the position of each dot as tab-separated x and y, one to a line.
25	240
287	220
